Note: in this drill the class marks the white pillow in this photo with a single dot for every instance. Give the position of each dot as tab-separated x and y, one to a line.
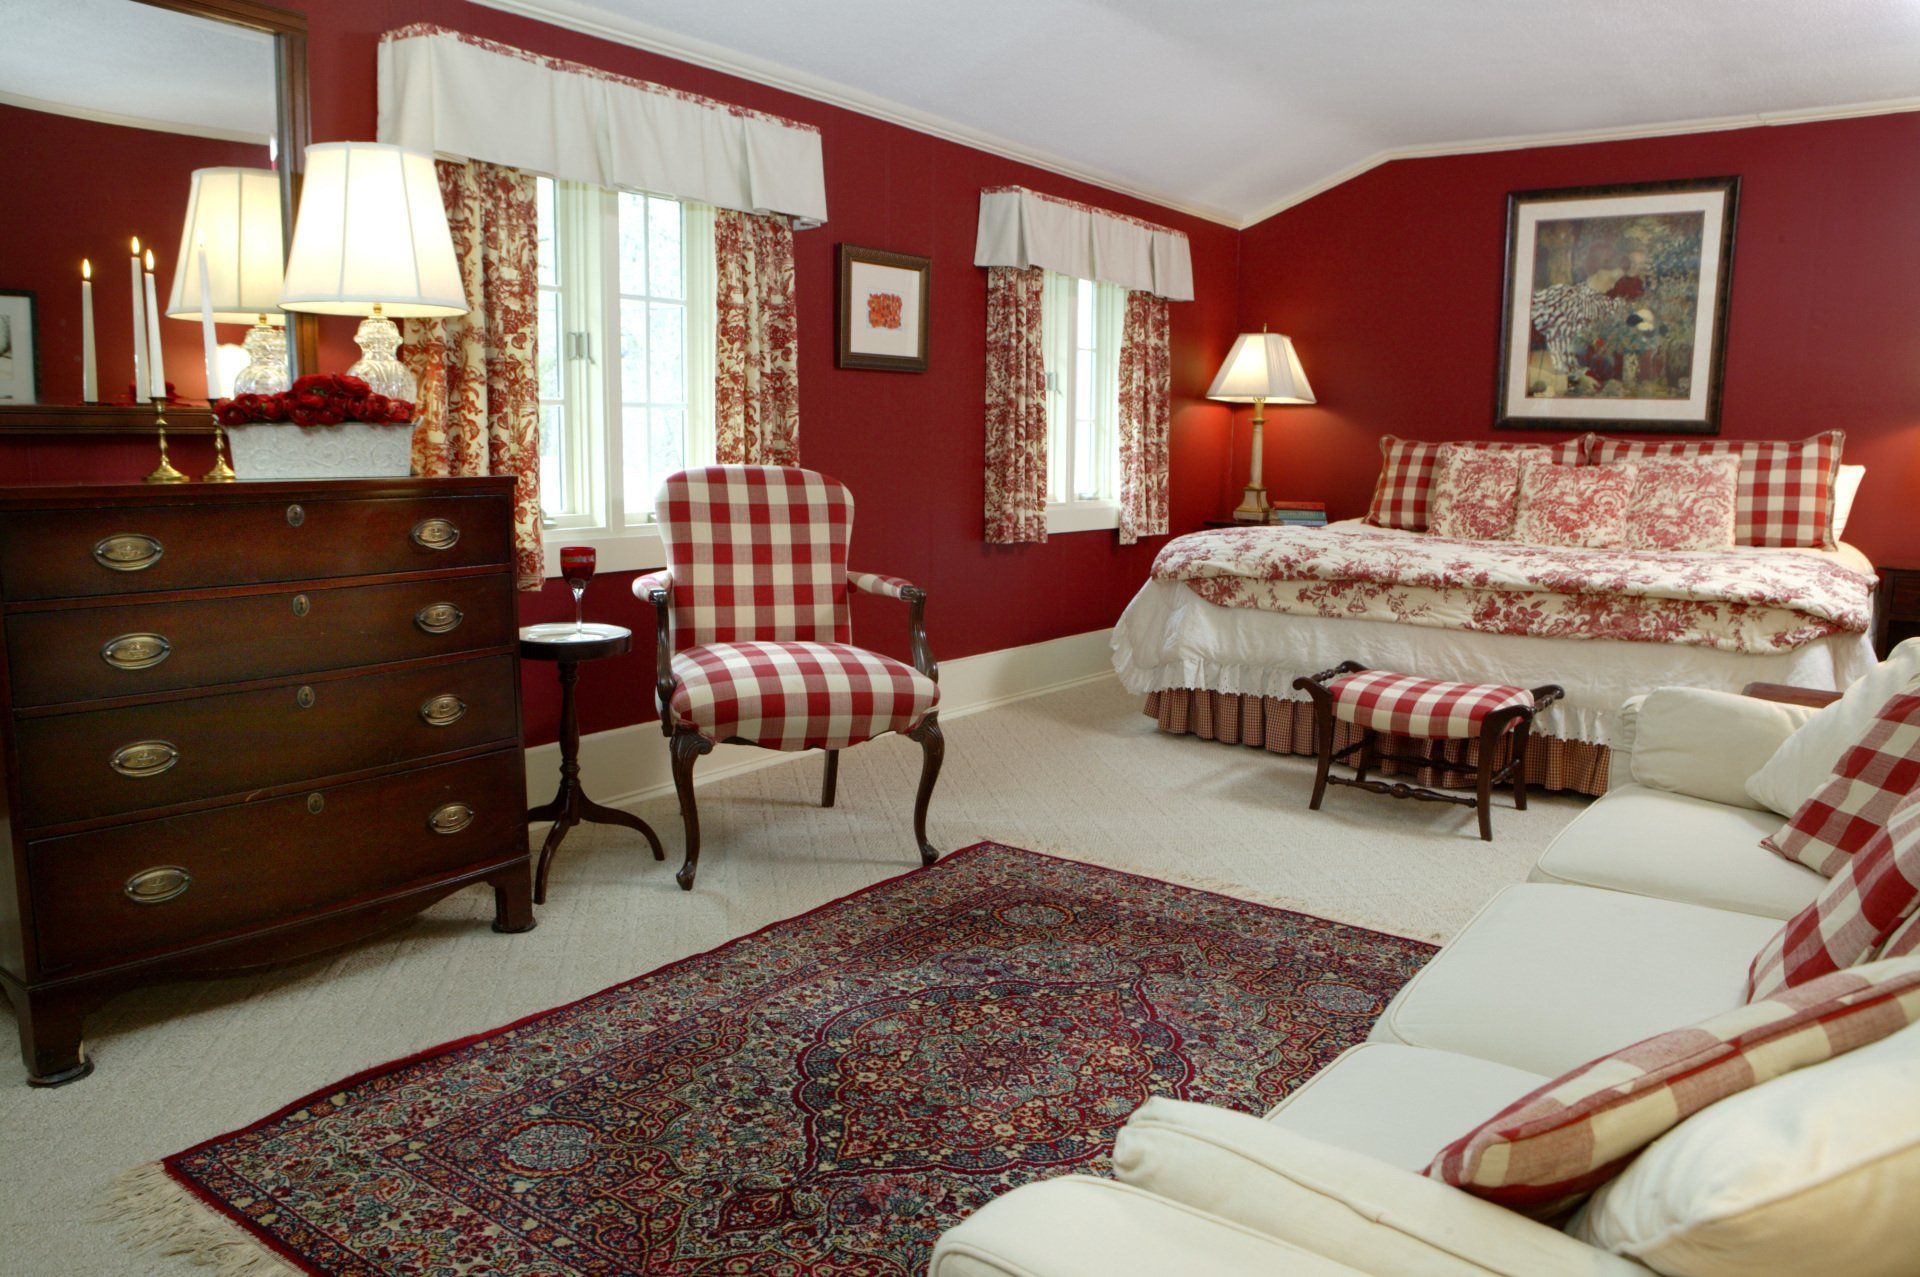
1708	744
1804	763
1817	1171
1846	486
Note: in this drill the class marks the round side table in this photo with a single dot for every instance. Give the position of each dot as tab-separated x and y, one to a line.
561	643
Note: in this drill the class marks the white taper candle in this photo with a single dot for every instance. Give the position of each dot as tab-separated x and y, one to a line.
89	370
141	384
155	363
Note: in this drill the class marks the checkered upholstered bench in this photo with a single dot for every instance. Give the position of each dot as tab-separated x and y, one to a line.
1498	717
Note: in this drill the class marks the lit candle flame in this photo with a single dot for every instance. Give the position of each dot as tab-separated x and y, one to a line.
149	259
136	246
86	269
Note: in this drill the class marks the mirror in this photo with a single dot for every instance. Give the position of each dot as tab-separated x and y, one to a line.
123	119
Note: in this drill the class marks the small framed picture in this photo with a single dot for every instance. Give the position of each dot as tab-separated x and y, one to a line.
883	310
1615	314
19	349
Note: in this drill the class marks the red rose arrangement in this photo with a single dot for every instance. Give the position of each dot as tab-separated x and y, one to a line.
322	399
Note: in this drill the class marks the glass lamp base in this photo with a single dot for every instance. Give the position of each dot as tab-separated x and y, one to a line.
266	370
379	365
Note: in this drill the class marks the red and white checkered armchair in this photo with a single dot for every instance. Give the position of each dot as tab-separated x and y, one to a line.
755	637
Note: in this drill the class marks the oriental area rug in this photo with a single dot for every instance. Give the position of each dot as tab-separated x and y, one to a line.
825	1096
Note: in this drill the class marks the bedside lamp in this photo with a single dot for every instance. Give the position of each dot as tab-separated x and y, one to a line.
372	240
233	218
1261	368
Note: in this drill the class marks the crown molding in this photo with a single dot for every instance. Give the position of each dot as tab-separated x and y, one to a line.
151	125
641	35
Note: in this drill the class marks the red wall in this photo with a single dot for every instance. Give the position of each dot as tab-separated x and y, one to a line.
909	445
1390	285
142	191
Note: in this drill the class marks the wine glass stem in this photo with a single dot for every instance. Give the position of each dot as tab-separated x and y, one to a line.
579	622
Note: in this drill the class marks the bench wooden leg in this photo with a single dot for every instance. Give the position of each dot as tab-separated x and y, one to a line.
1521	735
1489	764
1363	761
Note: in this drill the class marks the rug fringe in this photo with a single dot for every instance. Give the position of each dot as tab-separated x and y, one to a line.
155	1215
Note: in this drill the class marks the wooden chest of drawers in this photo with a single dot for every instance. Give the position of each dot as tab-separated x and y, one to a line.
243	723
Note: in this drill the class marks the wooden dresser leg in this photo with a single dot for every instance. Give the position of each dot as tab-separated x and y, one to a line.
513	899
50	1037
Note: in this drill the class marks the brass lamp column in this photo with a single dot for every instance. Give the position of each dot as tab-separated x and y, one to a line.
1261	368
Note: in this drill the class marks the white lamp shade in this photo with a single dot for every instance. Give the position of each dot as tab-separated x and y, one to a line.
372	230
1261	366
234	214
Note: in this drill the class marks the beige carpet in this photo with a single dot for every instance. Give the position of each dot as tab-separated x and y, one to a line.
1080	772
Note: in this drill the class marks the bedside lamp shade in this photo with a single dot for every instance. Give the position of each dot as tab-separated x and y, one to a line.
372	234
234	214
1261	367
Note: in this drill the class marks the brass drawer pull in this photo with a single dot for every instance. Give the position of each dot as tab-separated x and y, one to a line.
302	605
295	516
450	819
158	885
442	711
304	698
144	758
435	534
127	552
439	618
316	803
136	651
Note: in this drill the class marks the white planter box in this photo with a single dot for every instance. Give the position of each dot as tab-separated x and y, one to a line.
350	450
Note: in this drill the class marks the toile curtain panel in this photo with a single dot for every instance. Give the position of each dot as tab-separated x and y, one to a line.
1016	406
756	399
1146	391
479	399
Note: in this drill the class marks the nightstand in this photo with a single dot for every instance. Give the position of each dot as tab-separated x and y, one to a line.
1896	613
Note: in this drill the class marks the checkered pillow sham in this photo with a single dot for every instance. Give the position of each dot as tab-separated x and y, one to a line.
788	695
1860	908
756	552
1868	780
1545	1151
1904	939
1786	489
1420	707
1402	494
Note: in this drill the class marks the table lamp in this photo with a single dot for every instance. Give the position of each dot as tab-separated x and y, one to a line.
1261	368
372	240
232	241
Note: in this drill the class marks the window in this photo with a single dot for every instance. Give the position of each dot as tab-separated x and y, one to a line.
626	317
1080	324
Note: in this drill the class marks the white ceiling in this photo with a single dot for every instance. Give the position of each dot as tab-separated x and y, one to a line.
127	63
1236	108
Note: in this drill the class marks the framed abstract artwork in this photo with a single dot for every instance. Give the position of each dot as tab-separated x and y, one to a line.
19	349
1614	310
883	310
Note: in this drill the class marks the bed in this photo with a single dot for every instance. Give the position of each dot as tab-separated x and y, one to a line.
1230	618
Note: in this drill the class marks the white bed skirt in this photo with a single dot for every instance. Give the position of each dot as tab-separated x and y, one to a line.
1169	637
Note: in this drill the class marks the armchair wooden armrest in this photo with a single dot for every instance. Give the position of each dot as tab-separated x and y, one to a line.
1787	694
915	598
657	588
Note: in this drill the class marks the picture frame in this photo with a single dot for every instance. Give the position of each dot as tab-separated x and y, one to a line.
1613	311
19	347
883	310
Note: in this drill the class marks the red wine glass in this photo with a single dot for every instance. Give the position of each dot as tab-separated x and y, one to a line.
576	565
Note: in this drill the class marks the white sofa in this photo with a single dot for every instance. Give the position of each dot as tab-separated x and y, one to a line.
1641	917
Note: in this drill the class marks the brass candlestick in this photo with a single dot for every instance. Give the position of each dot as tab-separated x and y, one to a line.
165	471
221	472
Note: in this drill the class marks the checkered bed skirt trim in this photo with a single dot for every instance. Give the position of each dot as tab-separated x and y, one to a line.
792	695
1420	707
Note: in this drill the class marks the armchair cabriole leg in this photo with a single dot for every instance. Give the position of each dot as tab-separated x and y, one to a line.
687	746
830	783
933	748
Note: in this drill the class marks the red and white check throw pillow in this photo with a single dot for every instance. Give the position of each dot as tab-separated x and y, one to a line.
1869	778
1861	907
1786	489
1683	503
1402	494
1574	505
1474	492
1548	1149
1403	705
1904	940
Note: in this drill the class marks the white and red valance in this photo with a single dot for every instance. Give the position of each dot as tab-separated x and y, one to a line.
465	97
1022	228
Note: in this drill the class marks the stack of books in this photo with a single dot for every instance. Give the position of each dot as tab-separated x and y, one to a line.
1299	514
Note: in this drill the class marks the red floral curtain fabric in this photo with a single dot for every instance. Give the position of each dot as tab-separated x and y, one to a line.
479	399
1146	389
1016	406
756	397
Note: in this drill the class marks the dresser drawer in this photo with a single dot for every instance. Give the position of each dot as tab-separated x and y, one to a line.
110	762
62	553
134	890
78	654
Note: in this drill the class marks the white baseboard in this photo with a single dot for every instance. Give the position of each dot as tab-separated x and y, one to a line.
628	765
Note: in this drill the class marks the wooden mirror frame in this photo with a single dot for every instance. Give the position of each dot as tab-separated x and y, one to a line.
293	126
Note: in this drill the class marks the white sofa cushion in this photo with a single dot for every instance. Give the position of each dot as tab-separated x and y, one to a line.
1077	1226
1330	1200
1815	1172
1708	744
1803	764
1546	977
1400	1104
1654	843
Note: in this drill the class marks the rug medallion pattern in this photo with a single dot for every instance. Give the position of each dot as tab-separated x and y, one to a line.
822	1097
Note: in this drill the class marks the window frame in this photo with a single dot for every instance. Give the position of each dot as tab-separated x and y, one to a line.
1064	341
